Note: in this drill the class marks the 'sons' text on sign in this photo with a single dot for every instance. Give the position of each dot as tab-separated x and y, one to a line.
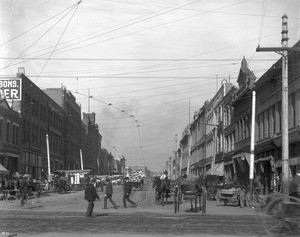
10	89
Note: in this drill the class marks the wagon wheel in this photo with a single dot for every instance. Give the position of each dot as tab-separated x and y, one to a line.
178	198
210	193
242	202
247	201
202	201
175	202
155	197
218	197
279	222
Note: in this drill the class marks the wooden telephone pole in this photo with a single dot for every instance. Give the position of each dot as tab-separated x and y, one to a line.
285	127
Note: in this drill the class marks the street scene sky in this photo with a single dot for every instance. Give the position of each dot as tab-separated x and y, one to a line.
144	67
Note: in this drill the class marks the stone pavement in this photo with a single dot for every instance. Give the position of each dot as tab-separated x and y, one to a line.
60	212
73	201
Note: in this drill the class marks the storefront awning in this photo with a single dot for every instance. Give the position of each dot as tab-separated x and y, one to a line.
218	170
3	170
264	159
243	156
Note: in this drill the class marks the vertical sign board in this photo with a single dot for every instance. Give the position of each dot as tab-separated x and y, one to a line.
10	89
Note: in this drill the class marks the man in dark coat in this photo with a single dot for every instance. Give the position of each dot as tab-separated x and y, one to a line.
127	192
108	194
90	194
23	189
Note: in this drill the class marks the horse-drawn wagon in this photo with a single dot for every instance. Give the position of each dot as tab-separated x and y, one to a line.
164	189
136	179
212	184
190	191
233	195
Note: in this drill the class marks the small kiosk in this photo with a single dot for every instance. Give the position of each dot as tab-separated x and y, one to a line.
75	178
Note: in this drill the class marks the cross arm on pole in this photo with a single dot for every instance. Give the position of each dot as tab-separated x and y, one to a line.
275	49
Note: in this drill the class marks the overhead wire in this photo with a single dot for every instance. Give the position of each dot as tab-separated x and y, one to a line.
65	29
261	25
152	27
10	63
36	26
158	13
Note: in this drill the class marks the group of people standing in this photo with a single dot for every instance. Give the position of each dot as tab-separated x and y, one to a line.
91	194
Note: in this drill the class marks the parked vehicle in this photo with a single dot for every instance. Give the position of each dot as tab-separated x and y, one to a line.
233	195
212	184
193	192
60	182
33	185
136	178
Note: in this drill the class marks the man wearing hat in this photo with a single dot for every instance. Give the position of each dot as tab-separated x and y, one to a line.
90	194
23	189
127	192
108	194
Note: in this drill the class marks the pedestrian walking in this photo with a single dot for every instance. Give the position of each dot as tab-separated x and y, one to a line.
108	194
23	189
127	192
90	194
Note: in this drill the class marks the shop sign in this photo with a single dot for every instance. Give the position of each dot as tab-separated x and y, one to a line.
10	89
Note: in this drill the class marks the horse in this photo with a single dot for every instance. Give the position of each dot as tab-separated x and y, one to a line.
162	190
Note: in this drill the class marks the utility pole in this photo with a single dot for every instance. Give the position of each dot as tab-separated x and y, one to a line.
81	160
190	153
285	130
176	159
251	172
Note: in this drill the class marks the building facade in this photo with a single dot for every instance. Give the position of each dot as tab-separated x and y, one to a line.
40	116
242	111
228	125
10	137
185	150
268	149
229	135
71	125
93	144
48	117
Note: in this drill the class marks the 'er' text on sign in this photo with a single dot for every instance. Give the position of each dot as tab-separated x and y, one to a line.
10	89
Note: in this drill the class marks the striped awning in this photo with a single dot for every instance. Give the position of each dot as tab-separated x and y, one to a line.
3	170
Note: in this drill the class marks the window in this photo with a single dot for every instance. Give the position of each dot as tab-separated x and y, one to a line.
292	119
1	129
14	134
272	120
279	114
7	132
17	135
267	124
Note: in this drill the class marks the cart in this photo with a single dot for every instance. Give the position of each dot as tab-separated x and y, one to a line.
236	196
192	192
137	183
283	216
212	184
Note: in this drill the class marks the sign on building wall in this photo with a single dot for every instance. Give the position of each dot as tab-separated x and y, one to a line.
11	88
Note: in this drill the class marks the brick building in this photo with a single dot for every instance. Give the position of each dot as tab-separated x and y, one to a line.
10	139
71	125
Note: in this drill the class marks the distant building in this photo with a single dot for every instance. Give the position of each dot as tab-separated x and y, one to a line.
71	125
93	145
